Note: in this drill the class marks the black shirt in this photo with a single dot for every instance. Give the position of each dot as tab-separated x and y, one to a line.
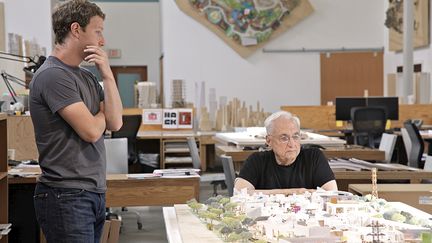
310	170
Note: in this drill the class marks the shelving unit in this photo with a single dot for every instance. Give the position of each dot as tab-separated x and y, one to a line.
3	175
175	153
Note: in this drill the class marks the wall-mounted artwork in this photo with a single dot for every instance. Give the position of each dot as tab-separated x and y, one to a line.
152	117
246	25
394	22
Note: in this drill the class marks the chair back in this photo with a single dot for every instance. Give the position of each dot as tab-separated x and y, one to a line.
428	163
415	153
228	168
116	151
368	122
387	145
129	130
196	161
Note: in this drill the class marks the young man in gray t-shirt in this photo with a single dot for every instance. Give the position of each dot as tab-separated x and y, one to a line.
70	113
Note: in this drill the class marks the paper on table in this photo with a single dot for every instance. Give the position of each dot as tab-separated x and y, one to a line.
142	176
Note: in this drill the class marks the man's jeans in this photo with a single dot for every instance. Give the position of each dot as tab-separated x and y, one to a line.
69	215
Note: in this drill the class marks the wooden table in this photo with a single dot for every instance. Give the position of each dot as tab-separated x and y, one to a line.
406	193
127	192
121	192
239	155
344	178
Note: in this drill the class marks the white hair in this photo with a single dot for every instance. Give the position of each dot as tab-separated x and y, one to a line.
268	123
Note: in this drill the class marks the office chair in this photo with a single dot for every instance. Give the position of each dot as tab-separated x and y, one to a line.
214	178
387	144
230	175
368	124
414	145
116	151
129	130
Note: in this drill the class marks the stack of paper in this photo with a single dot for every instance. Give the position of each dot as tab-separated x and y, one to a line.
177	172
5	228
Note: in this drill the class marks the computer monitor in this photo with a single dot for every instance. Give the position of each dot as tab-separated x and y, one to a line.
344	105
390	104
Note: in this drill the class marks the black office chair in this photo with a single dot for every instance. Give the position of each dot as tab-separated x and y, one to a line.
368	125
415	152
230	175
215	179
129	130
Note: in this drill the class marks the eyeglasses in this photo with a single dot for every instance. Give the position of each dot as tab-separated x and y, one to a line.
285	138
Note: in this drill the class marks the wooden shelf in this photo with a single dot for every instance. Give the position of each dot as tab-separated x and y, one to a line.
176	147
3	175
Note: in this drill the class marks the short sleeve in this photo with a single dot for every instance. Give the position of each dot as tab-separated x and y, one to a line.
58	89
322	173
250	170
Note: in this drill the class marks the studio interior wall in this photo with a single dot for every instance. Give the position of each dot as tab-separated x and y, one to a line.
134	28
32	20
393	59
195	54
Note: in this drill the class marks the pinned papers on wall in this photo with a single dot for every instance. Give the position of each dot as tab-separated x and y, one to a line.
170	119
185	118
152	117
177	118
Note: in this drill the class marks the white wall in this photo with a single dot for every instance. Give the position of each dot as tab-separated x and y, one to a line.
394	59
195	54
134	27
30	19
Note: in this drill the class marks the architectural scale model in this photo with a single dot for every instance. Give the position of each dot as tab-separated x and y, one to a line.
235	115
146	95
178	93
374	182
320	216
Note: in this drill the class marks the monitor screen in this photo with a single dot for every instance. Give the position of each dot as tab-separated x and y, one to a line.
390	104
344	105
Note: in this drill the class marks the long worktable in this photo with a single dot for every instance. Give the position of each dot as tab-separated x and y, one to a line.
349	151
126	192
121	192
343	178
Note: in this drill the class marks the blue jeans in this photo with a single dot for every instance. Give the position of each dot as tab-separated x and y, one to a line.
69	215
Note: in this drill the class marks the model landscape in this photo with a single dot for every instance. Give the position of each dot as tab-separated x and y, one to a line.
312	217
246	22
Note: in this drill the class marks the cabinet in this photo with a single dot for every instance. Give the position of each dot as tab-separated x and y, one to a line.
174	144
175	153
3	174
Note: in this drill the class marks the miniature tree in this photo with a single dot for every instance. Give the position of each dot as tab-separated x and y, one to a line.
224	200
232	222
195	206
245	236
225	231
233	237
212	216
216	211
230	206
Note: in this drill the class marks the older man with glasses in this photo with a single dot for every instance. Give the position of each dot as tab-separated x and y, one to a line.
286	168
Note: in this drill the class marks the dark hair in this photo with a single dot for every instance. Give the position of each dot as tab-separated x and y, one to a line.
80	11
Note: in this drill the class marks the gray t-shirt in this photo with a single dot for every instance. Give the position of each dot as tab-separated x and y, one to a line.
66	160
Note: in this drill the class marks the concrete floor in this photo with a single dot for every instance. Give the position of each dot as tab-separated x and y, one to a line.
153	223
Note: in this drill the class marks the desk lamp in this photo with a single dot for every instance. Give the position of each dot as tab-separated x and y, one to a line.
30	70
